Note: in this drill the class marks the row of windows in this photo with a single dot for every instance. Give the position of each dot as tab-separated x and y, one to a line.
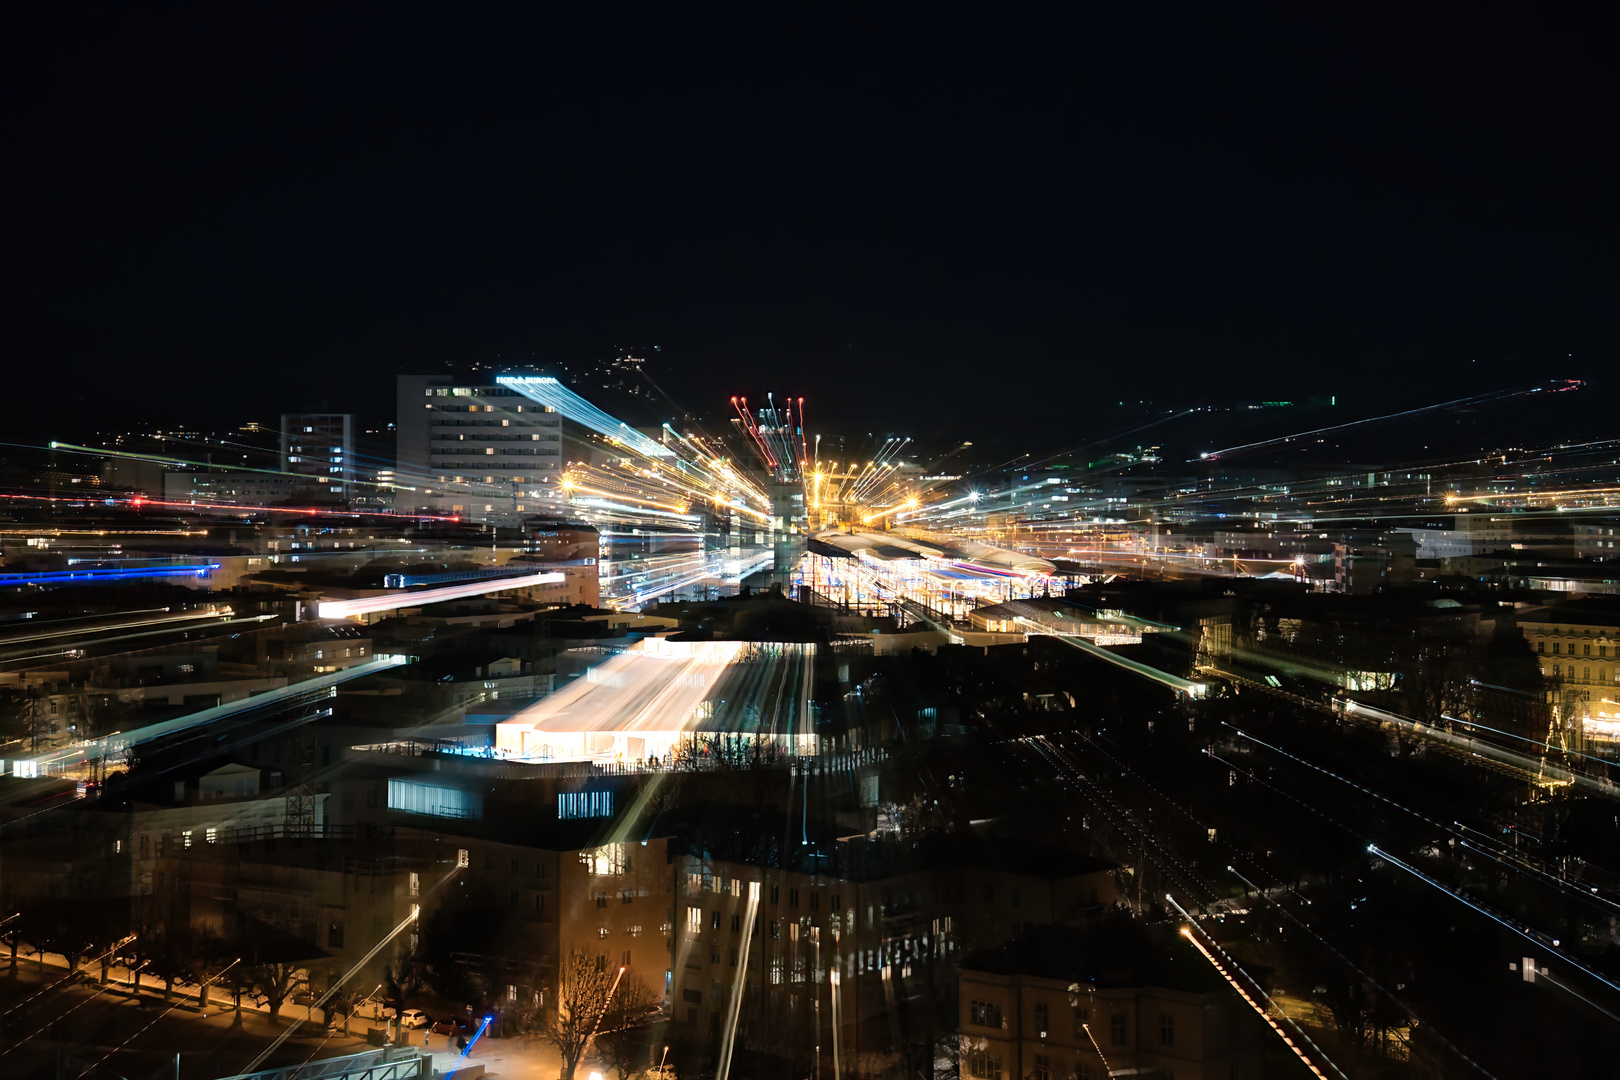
542	451
987	1014
515	866
542	422
470	391
1602	649
1585	676
704	882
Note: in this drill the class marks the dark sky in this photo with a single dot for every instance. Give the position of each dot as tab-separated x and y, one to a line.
962	215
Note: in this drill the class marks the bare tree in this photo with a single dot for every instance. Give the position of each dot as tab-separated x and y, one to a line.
275	982
621	1041
583	985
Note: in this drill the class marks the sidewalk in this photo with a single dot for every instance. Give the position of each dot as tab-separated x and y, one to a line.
184	994
518	1058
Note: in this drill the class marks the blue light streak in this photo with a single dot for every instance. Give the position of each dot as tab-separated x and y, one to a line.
553	394
68	577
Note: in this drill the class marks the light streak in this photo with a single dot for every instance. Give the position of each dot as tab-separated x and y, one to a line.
547	391
338	983
1163	678
1495	395
738	984
342	609
175	617
1264	1013
122	740
1500	920
71	577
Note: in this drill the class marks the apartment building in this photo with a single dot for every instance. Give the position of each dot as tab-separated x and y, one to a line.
318	449
1057	1003
837	948
476	451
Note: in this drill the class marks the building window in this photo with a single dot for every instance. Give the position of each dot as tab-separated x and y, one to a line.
540	903
601	899
984	1066
512	898
584	804
334	934
793	898
736	923
416	884
1043	1019
1167	1030
1082	1016
694	920
1116	1029
837	904
776	894
986	1014
1043	1068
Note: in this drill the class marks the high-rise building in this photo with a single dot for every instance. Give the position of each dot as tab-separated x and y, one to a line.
475	450
320	446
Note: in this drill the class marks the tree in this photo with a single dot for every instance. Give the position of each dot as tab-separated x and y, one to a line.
274	982
169	956
67	927
340	1002
621	1041
583	984
11	929
19	719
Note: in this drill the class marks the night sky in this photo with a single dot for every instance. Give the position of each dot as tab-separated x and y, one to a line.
952	217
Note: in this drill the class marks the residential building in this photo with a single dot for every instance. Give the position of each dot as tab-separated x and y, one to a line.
225	490
1577	645
319	447
1057	1003
1364	564
845	934
1462	535
1599	540
476	451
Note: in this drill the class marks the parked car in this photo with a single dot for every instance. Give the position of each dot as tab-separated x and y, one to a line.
414	1018
451	1026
